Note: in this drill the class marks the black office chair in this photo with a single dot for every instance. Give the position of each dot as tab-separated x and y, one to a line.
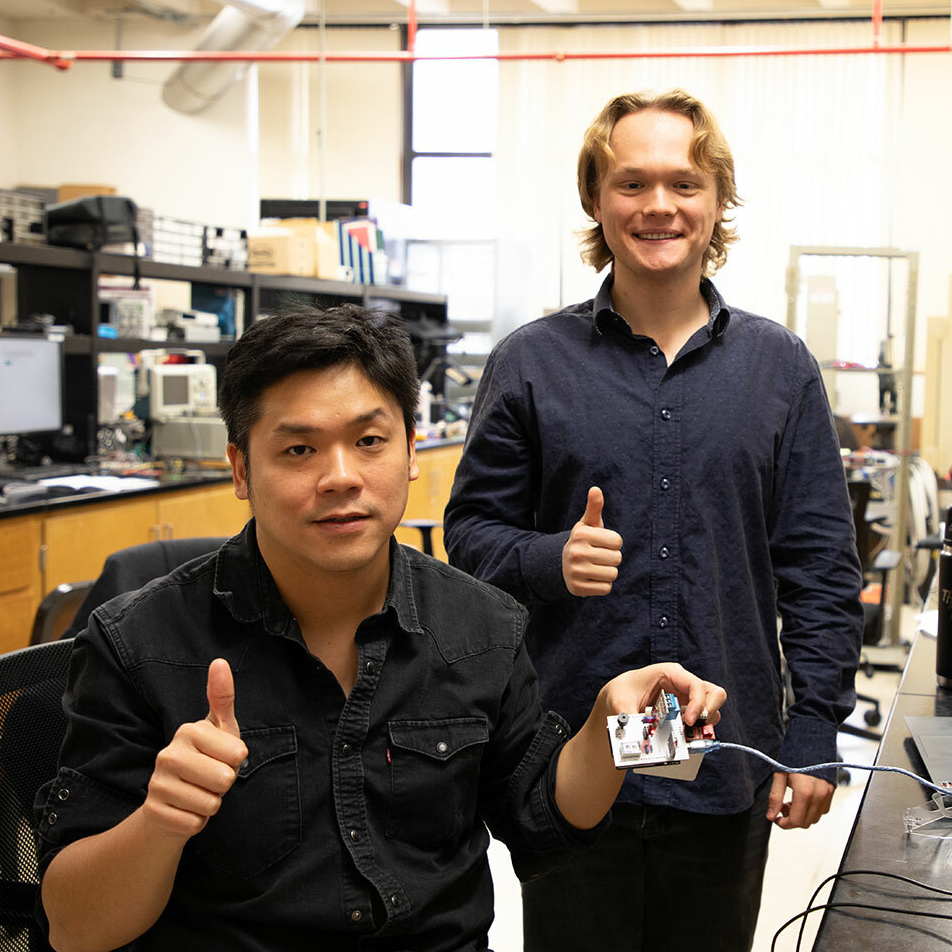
57	610
876	562
123	571
32	725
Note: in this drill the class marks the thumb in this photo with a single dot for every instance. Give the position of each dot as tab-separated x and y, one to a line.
593	508
221	697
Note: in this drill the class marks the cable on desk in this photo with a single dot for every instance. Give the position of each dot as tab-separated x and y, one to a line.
711	745
802	916
854	872
856	905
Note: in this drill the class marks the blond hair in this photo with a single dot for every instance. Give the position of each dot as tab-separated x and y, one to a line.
709	152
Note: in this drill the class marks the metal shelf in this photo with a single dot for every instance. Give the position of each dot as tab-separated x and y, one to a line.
903	374
65	282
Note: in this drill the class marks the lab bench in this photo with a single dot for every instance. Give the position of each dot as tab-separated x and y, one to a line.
878	840
47	542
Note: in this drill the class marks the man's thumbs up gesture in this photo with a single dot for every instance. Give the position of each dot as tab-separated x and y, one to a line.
199	767
221	697
591	557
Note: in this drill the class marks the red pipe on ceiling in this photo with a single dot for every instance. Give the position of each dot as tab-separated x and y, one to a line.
411	26
63	59
877	21
16	49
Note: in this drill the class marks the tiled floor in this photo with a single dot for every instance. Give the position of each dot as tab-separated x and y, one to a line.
799	859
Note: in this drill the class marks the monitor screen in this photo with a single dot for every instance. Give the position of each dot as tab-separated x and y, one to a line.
174	390
31	396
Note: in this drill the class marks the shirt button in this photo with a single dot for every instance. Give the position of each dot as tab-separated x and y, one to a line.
665	482
655	350
356	915
346	749
370	667
663	552
394	900
665	414
442	747
663	621
51	818
63	794
355	835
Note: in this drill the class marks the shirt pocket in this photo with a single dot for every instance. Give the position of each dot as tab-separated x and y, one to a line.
260	817
434	778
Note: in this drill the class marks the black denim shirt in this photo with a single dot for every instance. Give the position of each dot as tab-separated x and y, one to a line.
722	473
356	822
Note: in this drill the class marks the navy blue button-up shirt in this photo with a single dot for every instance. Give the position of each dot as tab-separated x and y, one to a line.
722	473
356	822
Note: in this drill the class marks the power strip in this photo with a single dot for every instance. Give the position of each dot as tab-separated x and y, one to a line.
657	743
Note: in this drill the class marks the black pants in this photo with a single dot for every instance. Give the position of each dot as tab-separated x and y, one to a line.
657	879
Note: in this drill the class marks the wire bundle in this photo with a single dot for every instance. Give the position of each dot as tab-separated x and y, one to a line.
811	908
802	916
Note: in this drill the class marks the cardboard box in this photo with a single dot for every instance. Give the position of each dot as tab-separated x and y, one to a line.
281	251
66	193
327	252
322	236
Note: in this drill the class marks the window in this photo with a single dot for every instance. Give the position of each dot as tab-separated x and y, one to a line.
453	135
452	183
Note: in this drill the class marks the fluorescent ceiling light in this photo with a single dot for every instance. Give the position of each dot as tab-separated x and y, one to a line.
556	6
428	6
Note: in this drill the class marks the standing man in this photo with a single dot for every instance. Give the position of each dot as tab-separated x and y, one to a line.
656	475
294	743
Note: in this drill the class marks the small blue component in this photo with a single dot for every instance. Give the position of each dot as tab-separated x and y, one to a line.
674	709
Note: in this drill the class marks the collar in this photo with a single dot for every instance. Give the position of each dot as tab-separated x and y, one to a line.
604	314
400	596
245	586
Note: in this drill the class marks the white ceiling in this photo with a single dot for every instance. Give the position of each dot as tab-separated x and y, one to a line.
477	11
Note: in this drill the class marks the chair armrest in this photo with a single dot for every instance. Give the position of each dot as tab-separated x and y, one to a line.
887	560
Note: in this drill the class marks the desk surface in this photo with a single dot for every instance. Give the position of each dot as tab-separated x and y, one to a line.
879	842
190	479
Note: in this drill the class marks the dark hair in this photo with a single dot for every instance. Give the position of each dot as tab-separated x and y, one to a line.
305	337
709	151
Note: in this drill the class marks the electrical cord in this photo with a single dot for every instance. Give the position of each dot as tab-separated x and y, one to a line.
842	875
813	768
858	905
811	908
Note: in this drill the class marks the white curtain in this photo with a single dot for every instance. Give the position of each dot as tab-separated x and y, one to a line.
811	137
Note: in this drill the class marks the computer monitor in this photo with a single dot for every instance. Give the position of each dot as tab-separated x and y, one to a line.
31	385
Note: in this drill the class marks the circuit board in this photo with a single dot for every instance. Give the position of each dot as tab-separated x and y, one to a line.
656	742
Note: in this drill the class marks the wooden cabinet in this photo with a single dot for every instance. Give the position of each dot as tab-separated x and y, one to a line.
43	550
430	493
20	580
77	540
212	511
39	552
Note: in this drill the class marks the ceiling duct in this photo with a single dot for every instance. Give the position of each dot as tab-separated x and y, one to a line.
247	25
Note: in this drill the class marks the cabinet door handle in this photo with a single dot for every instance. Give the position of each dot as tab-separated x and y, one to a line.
167	530
43	550
155	532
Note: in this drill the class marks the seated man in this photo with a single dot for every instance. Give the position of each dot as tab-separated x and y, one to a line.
293	743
